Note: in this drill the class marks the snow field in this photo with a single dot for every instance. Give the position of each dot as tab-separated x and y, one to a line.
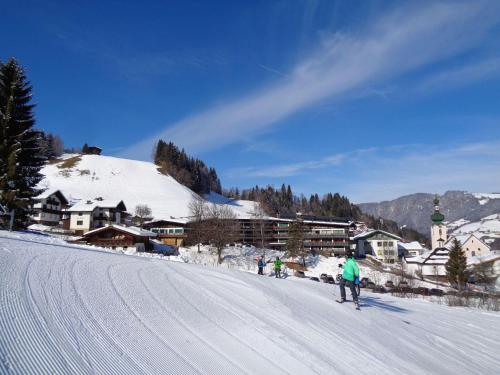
75	310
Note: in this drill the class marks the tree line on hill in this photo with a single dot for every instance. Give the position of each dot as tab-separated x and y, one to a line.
189	171
194	174
283	202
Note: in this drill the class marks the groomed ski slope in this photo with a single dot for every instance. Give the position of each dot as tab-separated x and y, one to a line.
65	310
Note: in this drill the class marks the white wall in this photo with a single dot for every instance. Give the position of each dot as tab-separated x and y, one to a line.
385	250
84	217
474	247
438	231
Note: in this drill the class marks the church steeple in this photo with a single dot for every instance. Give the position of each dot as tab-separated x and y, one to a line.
439	233
437	217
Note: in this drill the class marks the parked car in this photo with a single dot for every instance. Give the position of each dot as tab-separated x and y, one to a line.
421	290
389	284
379	289
330	279
436	292
314	279
363	283
370	285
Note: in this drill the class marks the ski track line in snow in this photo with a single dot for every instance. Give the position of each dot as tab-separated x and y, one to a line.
181	357
71	310
222	328
186	327
271	321
107	342
187	331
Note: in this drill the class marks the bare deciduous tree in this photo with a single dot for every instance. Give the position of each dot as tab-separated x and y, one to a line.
142	211
295	243
221	227
259	224
198	211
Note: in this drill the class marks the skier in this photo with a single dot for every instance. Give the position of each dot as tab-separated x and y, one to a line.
349	277
261	264
277	267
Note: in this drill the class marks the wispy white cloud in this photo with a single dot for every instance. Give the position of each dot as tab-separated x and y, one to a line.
472	167
397	43
463	75
388	172
290	169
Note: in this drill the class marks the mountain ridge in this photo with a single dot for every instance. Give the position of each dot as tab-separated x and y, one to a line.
414	210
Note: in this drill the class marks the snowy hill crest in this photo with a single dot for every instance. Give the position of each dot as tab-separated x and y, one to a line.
134	182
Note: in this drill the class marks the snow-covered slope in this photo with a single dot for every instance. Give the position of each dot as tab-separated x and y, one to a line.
134	182
69	311
486	229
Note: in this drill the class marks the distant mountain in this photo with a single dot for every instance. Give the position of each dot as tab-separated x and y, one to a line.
414	210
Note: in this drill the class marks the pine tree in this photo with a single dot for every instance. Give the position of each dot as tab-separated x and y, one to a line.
21	155
456	267
85	149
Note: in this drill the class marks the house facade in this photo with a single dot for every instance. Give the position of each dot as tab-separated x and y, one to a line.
410	249
91	214
381	244
48	207
327	235
431	264
117	236
471	245
169	232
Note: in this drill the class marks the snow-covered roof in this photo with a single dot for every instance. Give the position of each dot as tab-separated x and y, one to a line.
437	257
136	231
48	192
462	238
90	205
415	245
372	232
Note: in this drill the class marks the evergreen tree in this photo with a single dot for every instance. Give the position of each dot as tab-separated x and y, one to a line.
21	155
85	149
456	267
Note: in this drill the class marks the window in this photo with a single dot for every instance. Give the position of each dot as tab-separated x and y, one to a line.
80	213
473	253
79	222
379	244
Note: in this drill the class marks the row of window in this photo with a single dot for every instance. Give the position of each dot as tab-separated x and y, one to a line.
385	243
168	230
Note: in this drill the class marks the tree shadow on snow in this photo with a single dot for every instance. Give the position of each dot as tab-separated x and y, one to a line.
368	302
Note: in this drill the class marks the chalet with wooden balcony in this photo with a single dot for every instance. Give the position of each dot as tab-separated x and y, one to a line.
170	232
87	215
116	236
48	207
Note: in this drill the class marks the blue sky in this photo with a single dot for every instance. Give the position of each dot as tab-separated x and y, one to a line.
373	99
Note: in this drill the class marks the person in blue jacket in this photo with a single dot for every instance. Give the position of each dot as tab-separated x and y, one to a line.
261	264
349	277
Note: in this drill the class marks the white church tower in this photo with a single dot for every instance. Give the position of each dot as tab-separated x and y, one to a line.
439	234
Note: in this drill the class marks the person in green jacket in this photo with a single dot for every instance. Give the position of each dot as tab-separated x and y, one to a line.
277	267
350	274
